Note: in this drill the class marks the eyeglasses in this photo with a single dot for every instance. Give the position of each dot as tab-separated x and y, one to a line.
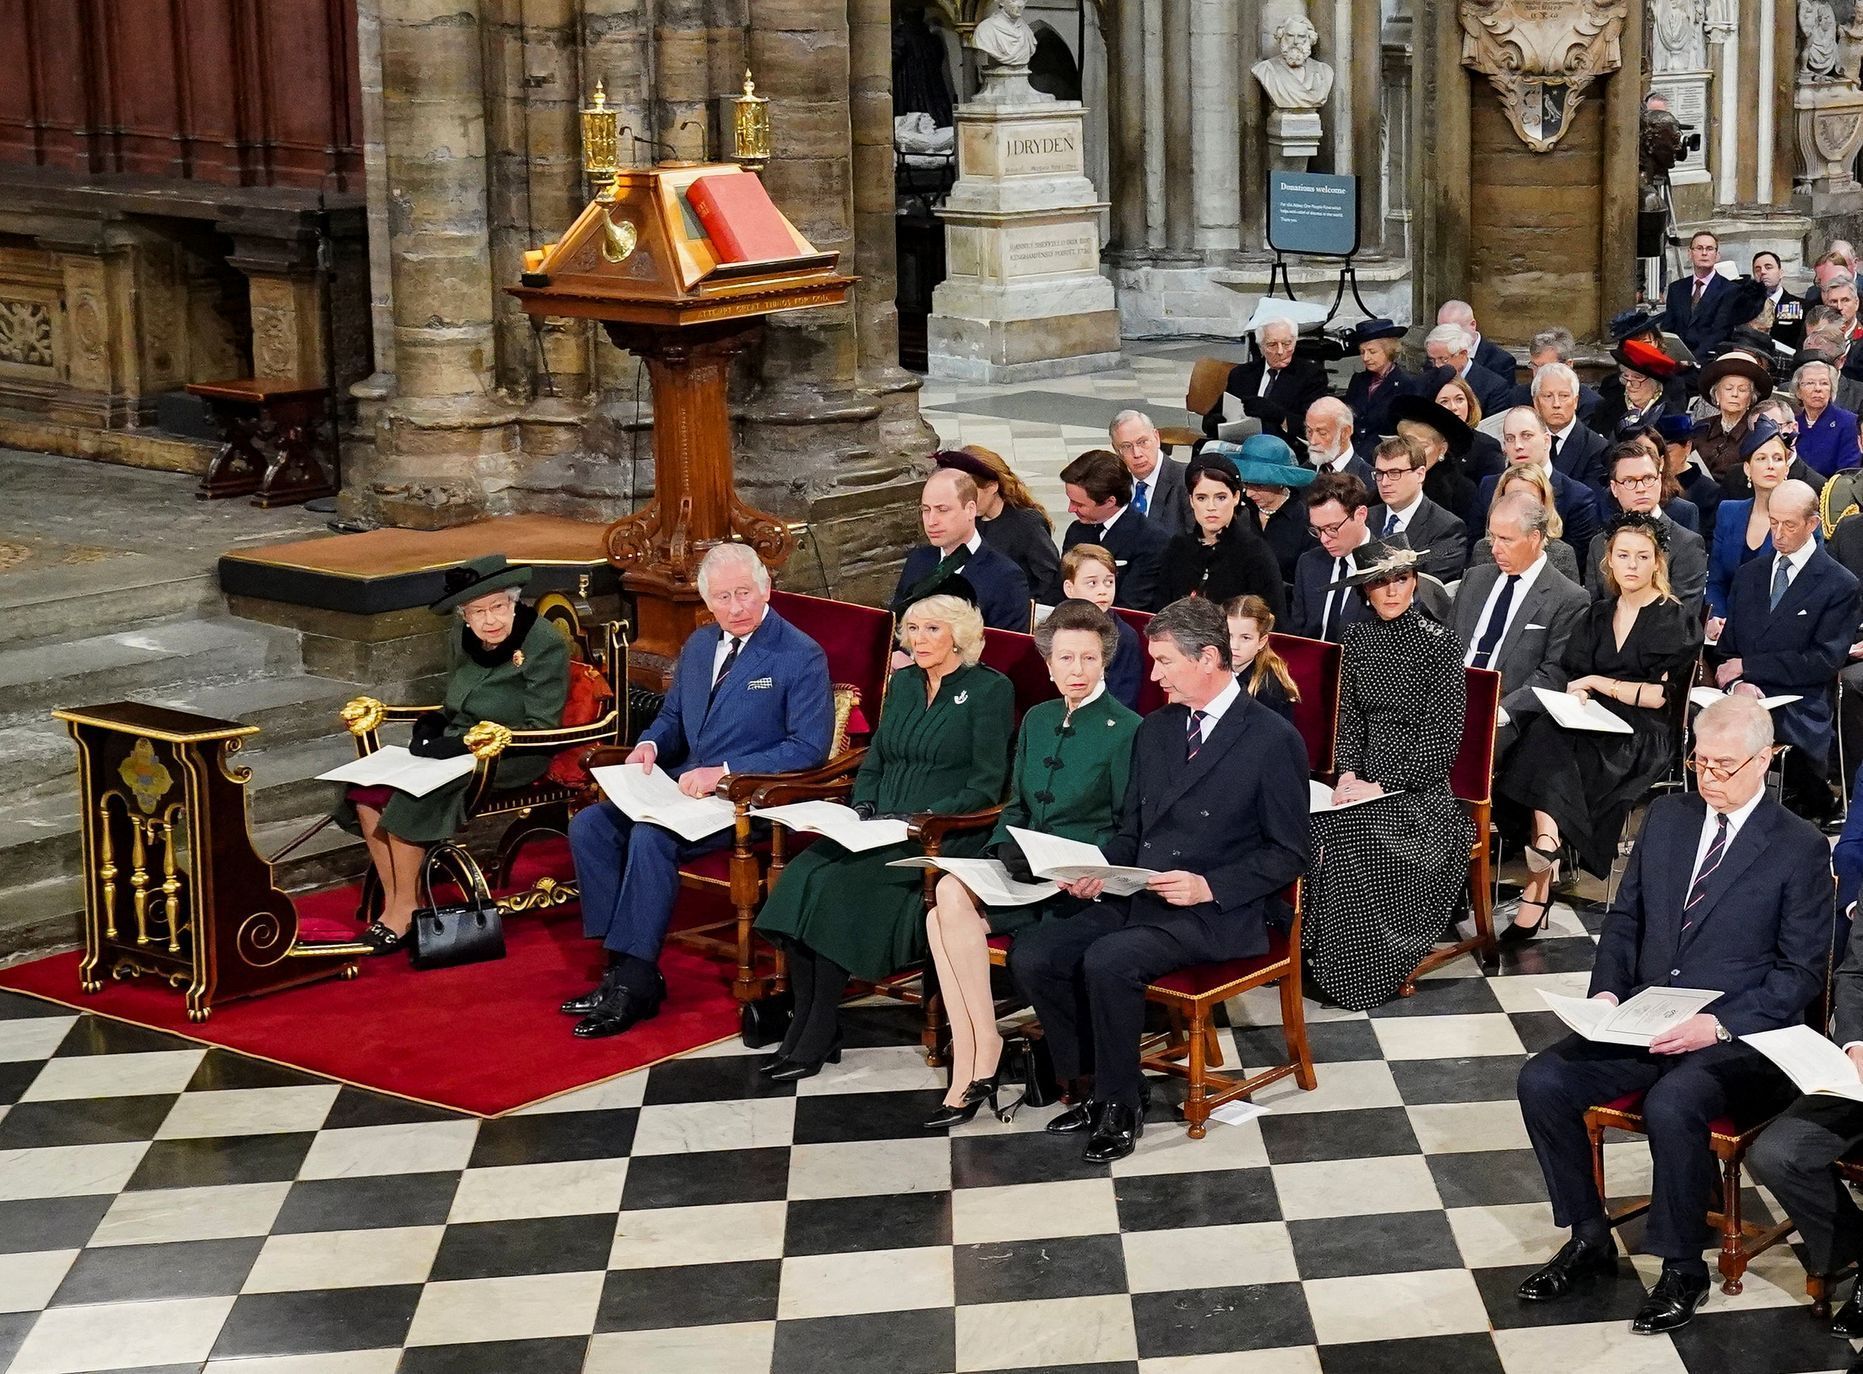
1636	483
1391	474
1328	531
1715	772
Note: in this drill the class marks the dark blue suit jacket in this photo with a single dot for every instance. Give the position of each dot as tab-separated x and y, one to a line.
1371	414
1762	935
1492	390
1700	326
1847	857
1728	552
1797	646
1002	589
1495	359
1576	503
774	712
1137	546
1313	574
1125	675
1236	814
1581	457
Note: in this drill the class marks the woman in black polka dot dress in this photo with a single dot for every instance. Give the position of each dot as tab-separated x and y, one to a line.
1387	874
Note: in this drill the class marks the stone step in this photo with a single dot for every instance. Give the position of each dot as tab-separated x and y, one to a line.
37	756
114	592
37	677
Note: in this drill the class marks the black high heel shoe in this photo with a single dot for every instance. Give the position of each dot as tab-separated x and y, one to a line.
1517	934
979	1091
381	940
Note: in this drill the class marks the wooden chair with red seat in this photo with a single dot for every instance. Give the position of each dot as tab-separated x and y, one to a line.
1193	1045
1151	696
1730	1138
1471	780
1314	666
858	643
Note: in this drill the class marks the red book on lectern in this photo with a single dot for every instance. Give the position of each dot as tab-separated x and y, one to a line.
741	220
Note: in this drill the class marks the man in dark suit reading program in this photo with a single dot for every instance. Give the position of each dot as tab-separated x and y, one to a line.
1217	807
1726	891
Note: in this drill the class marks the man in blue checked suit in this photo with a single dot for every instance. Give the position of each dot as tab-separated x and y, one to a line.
749	695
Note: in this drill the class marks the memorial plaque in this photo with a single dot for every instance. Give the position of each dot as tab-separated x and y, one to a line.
1032	250
1022	148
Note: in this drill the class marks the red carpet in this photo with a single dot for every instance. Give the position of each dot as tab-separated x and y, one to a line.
485	1039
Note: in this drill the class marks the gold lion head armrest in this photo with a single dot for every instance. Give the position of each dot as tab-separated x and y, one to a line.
363	717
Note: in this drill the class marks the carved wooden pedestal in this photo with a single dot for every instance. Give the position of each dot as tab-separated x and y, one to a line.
172	886
695	502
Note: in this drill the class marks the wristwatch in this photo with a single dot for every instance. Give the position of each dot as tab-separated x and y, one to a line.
1721	1034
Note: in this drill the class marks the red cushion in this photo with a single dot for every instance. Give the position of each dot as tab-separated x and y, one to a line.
1632	1104
1199	980
325	930
1629	1102
857	640
715	866
587	702
1151	696
1016	658
1472	776
1314	666
1002	942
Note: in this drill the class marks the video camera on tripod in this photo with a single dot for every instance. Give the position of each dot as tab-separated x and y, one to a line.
1663	141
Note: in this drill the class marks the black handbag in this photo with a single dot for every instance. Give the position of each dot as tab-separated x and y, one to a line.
448	936
766	1020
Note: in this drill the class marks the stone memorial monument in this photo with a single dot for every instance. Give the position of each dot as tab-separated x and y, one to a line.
1023	296
1679	72
1829	106
1295	85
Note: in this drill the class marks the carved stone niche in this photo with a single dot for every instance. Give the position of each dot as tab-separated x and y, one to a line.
1830	133
1540	56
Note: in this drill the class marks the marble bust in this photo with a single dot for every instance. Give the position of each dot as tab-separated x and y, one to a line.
1292	79
1004	36
1817	22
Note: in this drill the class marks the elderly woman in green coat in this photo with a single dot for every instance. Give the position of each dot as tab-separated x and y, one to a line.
1073	757
942	746
506	665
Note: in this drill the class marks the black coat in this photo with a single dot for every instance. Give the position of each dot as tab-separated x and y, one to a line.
1371	411
1289	535
1700	327
1490	355
1581	457
1240	563
1796	647
1002	590
1137	546
1495	392
1313	574
1024	538
1283	409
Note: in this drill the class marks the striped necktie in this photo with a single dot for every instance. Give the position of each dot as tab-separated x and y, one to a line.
1193	736
1709	862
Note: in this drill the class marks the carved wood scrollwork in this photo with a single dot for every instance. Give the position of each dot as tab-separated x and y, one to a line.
1540	56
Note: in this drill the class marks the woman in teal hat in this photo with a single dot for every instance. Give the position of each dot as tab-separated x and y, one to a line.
1224	554
506	665
1271	476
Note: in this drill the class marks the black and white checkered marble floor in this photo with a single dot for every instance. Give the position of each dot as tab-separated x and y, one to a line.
169	1207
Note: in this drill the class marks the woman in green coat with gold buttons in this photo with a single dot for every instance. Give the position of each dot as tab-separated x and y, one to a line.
1073	757
943	746
506	665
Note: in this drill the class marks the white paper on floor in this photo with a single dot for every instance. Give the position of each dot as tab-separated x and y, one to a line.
1237	1113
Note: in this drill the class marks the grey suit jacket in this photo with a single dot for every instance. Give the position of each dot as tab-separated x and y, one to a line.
1433	528
1167	500
1688	566
1532	652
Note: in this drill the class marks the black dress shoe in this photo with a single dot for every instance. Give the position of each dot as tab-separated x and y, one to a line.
1848	1322
1116	1135
622	1009
590	1000
1576	1265
381	940
794	1070
1672	1303
1076	1118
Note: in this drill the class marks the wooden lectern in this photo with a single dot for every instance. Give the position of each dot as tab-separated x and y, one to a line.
172	885
638	260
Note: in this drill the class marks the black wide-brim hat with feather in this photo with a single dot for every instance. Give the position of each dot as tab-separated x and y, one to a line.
476	578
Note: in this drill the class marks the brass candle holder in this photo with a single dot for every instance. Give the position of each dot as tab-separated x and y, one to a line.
750	126
600	145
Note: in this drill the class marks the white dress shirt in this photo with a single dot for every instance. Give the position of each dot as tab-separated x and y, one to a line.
1735	819
1403	516
1220	704
1794	562
1521	588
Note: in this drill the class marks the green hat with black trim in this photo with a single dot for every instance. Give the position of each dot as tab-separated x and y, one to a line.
477	578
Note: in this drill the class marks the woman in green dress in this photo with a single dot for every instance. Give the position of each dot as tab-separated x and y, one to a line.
506	665
1073	757
942	746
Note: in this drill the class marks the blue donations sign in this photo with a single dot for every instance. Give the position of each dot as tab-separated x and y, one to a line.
1313	213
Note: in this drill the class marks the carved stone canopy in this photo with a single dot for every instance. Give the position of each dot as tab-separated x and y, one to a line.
1540	55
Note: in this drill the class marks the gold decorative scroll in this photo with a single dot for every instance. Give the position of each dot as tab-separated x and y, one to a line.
1540	55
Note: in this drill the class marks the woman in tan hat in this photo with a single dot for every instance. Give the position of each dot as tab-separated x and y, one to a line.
1732	383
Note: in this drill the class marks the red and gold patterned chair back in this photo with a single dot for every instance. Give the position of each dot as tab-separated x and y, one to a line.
1472	778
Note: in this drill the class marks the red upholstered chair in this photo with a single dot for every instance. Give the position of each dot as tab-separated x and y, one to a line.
1193	1047
1314	666
1471	780
858	642
1730	1137
1016	658
1151	696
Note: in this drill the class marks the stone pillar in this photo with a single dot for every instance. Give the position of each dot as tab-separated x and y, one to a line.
1367	115
1125	49
443	421
1440	160
870	103
682	76
617	51
1180	180
1215	131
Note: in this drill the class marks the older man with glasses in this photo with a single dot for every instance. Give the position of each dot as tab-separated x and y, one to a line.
1725	891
